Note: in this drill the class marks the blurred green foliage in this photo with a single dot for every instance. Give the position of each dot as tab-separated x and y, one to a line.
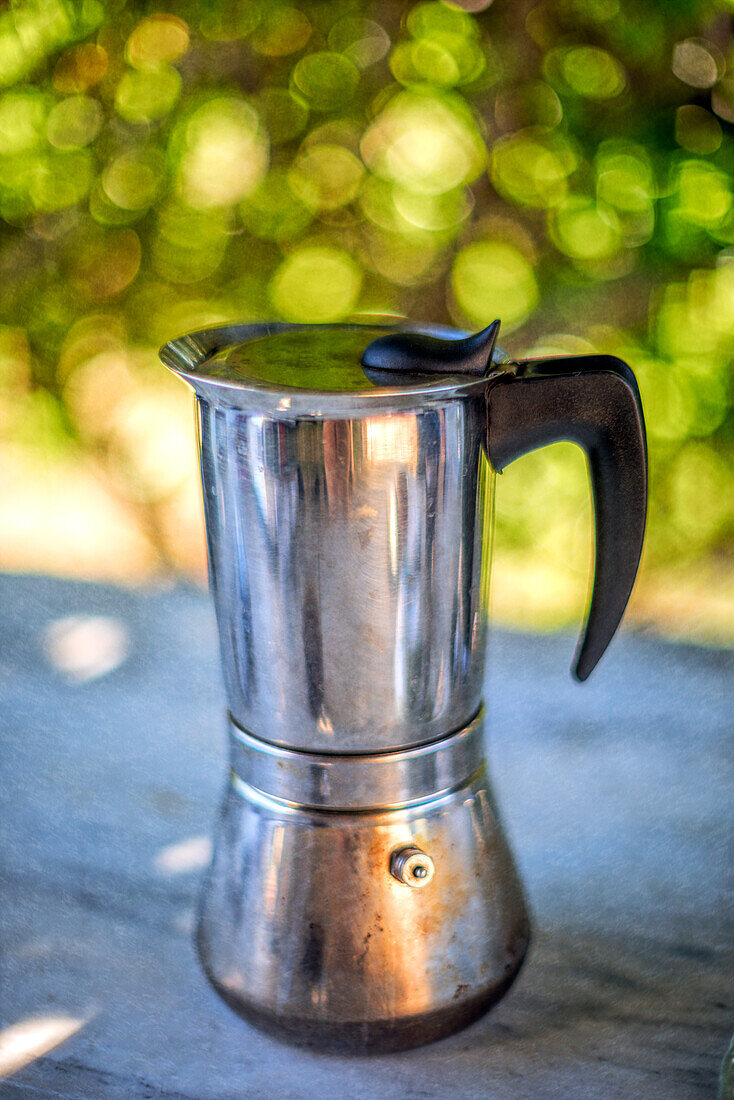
565	165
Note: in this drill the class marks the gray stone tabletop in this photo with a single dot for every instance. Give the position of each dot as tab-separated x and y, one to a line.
617	799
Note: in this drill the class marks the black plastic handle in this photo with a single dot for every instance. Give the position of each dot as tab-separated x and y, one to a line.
592	401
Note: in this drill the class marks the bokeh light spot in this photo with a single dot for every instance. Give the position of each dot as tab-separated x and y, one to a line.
22	121
700	496
624	176
472	5
80	68
427	20
192	854
226	154
143	96
133	180
157	40
429	63
532	168
327	80
326	176
376	199
282	30
444	60
697	62
361	40
722	99
625	184
317	283
589	71
74	122
433	212
86	647
704	193
425	142
493	279
580	231
697	130
151	435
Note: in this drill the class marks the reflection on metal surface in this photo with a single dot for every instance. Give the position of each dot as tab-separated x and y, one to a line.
390	438
86	647
305	930
351	781
346	559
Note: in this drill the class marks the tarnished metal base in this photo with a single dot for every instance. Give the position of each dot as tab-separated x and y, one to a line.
371	929
374	1036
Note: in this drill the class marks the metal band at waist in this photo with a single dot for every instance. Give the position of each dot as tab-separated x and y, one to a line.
371	781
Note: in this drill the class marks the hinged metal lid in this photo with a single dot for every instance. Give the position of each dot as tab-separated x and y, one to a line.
311	370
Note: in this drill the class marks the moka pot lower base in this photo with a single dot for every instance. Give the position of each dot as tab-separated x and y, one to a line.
361	902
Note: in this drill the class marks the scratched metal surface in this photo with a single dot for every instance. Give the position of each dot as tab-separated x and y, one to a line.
617	798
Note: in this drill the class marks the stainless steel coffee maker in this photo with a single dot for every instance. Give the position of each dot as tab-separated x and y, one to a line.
362	895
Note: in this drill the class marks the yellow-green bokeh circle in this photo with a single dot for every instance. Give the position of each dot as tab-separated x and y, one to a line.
493	279
317	283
